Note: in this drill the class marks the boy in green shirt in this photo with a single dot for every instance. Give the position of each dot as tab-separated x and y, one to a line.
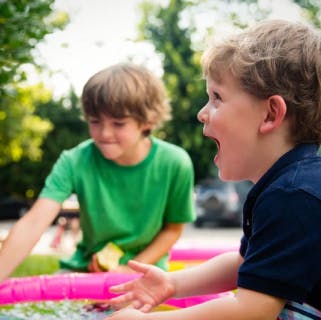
134	190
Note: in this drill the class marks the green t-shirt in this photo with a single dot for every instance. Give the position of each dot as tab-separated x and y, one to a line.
126	205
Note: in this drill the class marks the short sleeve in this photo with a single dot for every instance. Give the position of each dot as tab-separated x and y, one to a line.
59	183
180	204
279	258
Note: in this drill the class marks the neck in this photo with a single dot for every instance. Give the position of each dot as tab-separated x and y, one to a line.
137	154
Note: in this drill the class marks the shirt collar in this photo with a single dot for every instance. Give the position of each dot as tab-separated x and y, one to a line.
298	153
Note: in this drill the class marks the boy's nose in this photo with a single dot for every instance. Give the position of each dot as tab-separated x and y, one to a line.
202	115
105	132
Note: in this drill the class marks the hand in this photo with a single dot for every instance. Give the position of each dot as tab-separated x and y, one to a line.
94	265
123	269
127	313
146	292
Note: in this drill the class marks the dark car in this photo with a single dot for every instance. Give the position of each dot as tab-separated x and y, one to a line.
13	207
220	203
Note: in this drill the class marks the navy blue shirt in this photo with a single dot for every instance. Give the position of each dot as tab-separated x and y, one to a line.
281	245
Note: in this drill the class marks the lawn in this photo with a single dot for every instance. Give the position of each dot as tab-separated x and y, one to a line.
37	264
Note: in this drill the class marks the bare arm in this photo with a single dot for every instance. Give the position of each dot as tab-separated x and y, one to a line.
246	305
213	276
155	286
161	244
25	234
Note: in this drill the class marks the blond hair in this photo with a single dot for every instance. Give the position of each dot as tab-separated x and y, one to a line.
276	57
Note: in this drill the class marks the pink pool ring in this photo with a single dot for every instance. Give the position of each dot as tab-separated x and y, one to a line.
72	286
95	286
198	254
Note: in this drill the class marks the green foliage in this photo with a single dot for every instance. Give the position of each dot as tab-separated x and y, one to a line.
21	131
182	77
311	10
37	264
23	24
180	55
178	39
34	128
26	177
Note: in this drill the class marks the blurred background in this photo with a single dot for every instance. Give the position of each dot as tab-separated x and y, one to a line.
50	48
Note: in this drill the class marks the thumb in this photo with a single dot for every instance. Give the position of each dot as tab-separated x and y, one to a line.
138	266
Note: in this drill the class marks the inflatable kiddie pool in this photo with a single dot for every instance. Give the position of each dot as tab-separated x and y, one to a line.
95	286
74	286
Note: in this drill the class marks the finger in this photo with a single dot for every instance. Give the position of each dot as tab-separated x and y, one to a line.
122	299
117	288
122	287
138	266
95	265
137	304
146	308
90	267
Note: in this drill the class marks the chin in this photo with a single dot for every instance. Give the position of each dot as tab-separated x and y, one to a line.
109	156
225	176
221	176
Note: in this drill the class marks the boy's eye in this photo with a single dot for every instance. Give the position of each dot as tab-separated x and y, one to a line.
216	96
93	121
119	123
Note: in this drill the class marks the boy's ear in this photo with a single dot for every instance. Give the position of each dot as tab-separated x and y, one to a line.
146	128
275	114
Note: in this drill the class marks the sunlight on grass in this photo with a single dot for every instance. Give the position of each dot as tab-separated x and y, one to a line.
37	264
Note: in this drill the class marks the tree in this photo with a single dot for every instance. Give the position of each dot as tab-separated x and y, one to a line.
26	177
311	10
23	24
179	40
21	131
172	30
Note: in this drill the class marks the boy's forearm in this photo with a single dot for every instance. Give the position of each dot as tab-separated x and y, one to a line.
252	306
20	241
161	244
25	234
216	275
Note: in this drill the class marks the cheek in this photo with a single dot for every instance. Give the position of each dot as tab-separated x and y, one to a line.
124	136
92	131
95	132
129	133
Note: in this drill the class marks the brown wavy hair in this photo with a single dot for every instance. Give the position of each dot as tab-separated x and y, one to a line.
126	90
276	57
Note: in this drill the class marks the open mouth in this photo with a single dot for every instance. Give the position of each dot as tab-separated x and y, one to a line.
216	141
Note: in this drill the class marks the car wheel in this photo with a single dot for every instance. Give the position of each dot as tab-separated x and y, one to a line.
198	223
23	211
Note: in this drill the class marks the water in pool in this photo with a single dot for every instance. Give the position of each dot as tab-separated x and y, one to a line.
53	310
62	310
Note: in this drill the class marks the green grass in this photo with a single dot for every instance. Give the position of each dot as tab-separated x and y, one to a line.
37	264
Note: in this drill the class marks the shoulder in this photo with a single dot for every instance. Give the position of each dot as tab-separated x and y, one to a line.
302	176
171	151
82	154
295	195
84	148
307	176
